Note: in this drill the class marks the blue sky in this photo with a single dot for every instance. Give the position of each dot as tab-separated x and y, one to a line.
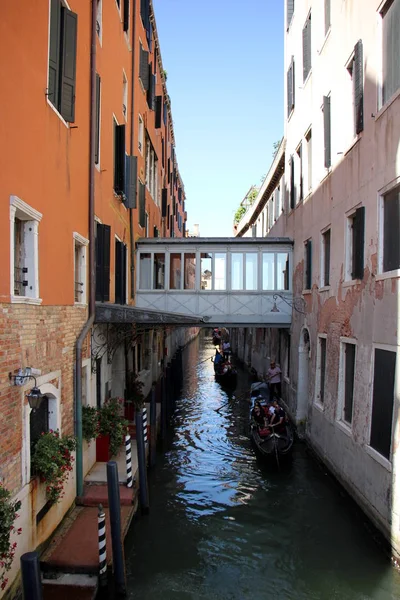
224	60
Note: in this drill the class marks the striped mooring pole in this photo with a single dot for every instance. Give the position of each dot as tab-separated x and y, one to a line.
145	424
128	450
101	519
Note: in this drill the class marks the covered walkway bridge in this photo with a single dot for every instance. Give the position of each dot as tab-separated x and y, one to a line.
218	281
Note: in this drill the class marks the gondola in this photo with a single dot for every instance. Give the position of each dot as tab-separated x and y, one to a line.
225	373
275	447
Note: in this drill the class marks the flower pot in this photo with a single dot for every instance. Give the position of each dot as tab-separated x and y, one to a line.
103	448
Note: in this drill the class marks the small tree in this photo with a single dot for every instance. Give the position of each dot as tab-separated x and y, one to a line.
239	214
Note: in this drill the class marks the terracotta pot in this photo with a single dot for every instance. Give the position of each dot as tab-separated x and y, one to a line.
103	448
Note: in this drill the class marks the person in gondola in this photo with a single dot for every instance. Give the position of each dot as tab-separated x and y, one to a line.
258	415
278	420
218	361
226	349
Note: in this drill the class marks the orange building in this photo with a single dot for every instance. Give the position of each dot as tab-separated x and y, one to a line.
88	166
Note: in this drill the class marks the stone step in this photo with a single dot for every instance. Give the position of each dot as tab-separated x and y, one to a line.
64	586
95	494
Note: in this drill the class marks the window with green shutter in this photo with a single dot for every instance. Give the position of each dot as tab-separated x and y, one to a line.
307	48
62	60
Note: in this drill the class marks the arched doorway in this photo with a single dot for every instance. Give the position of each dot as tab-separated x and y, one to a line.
303	376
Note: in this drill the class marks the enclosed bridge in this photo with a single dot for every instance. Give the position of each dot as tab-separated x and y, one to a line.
216	281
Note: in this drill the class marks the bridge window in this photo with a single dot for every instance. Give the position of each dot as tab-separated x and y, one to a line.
206	271
282	280
175	271
251	271
220	271
145	272
159	271
268	272
190	271
237	271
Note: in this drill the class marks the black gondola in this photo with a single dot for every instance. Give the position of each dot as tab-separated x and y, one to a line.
225	372
274	447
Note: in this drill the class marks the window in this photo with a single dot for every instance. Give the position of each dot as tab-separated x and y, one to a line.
325	257
97	134
347	372
80	244
356	72
24	255
289	12
189	271
119	158
158	110
308	265
125	95
151	90
277	203
145	271
62	60
144	68
290	88
103	236
99	20
327	131
158	270
146	224
140	135
244	271
282	271
125	22
321	369
390	49
151	171
120	272
382	401
142	204
38	423
391	223
327	16
307	48
309	159
299	153
355	244
292	191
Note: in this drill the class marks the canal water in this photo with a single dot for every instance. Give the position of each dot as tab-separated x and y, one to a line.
223	527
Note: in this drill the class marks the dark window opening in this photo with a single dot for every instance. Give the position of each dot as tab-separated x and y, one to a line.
391	226
120	272
349	370
308	265
383	401
326	247
322	366
103	236
357	243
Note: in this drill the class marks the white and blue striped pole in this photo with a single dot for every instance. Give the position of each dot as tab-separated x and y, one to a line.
101	519
128	451
145	425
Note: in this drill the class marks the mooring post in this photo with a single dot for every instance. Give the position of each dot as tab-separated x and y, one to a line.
141	452
115	523
128	454
101	520
31	580
153	426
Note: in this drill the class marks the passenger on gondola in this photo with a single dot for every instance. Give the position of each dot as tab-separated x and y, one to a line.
226	349
278	421
258	415
218	361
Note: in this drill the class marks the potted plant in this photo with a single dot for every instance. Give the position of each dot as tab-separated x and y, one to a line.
8	514
134	395
52	461
112	427
90	423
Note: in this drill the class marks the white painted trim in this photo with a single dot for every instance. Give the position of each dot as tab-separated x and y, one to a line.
317	401
343	426
341	381
379	458
79	238
347	340
25	300
381	199
29	212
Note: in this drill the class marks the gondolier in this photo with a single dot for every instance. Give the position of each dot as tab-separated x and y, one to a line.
274	380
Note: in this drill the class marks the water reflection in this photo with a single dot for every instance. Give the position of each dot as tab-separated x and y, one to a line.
221	526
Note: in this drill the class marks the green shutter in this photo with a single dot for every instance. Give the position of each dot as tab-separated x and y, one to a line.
126	15
358	82
130	181
97	140
69	24
142	204
54	52
119	158
144	68
158	114
327	131
358	243
289	11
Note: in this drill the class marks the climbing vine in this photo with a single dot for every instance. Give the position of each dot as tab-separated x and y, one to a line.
8	514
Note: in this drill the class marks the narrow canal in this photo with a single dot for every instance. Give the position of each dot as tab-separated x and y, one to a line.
223	527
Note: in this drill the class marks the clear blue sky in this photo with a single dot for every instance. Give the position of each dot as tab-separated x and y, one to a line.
224	60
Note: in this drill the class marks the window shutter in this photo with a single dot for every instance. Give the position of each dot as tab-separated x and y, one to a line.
99	262
158	113
327	131
327	15
155	232
152	88
391	225
126	15
289	91
289	11
124	263
54	57
145	12
169	171
165	111
97	140
118	272
292	189
144	68
171	226
358	82
307	48
164	202
69	24
106	263
358	243
142	204
180	194
119	159
130	181
308	265
149	32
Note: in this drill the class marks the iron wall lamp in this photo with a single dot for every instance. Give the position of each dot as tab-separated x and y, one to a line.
35	396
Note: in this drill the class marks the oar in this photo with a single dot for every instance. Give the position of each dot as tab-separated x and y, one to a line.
226	403
202	361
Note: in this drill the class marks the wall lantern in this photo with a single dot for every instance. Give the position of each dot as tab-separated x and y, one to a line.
35	396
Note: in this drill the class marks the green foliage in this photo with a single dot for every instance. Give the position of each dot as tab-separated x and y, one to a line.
90	423
165	73
134	391
52	461
112	423
239	214
252	196
8	514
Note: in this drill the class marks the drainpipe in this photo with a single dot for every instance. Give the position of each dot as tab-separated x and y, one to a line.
131	233
92	281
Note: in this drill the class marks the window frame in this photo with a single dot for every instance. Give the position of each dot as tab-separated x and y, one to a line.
318	372
20	210
325	284
381	12
381	217
82	243
344	342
